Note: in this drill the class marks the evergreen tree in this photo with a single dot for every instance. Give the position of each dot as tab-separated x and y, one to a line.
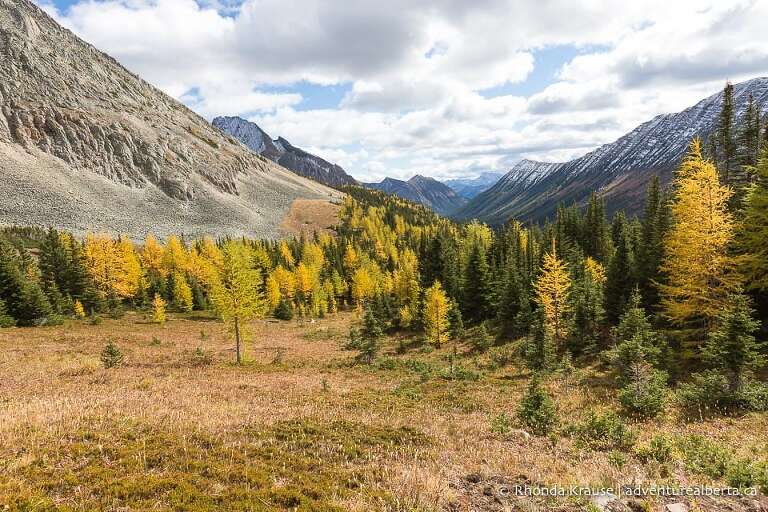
482	341
456	322
539	350
636	342
732	348
726	139
699	269
369	337
621	271
477	285
537	410
6	320
24	299
655	224
749	135
588	312
753	234
598	244
111	357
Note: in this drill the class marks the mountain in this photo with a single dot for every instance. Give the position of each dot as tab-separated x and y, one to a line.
284	153
470	187
619	170
421	189
87	145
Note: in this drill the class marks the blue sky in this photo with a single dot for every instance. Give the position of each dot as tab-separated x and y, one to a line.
439	88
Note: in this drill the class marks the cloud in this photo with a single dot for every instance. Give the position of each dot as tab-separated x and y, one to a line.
418	73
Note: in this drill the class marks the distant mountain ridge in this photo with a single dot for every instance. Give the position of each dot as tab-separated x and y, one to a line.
283	152
619	170
470	187
421	189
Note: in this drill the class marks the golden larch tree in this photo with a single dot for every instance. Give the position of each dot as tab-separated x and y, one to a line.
436	307
552	290
237	296
700	272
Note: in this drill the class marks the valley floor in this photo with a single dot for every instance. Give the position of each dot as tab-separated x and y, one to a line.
299	426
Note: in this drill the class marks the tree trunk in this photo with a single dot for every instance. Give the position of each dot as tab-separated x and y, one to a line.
237	340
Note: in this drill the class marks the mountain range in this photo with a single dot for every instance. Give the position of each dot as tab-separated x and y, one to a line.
283	152
470	187
87	145
618	171
427	191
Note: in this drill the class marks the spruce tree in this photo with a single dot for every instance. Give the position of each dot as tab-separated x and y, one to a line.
477	285
726	140
369	337
655	223
596	231
539	351
24	299
751	238
537	411
6	320
621	270
732	348
588	311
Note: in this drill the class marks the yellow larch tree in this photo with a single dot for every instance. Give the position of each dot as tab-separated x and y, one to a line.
158	309
237	297
152	256
363	287
700	271
273	294
182	293
436	307
174	256
128	270
552	289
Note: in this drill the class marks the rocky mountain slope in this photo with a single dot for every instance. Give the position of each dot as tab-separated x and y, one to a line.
427	191
86	144
283	152
470	187
619	170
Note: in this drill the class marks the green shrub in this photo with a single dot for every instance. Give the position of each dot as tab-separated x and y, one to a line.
707	392
753	396
537	411
659	449
645	397
200	357
704	457
111	357
501	423
284	310
481	340
458	372
500	357
603	432
742	473
95	320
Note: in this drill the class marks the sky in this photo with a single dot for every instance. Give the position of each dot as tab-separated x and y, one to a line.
443	88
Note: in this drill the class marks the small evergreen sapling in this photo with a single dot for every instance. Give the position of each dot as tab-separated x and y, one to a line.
537	410
369	337
111	357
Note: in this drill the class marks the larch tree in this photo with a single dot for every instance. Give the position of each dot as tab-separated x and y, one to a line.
699	269
751	238
552	291
436	311
237	297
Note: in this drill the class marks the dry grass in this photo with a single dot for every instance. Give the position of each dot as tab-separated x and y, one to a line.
298	427
307	216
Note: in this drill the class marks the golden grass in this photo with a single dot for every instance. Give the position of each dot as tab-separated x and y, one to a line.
298	427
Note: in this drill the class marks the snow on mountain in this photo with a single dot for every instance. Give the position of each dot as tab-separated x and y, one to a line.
470	187
619	170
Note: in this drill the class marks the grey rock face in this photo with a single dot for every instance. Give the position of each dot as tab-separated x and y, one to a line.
63	98
427	191
284	153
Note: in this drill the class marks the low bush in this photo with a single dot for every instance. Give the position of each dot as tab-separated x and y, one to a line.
603	432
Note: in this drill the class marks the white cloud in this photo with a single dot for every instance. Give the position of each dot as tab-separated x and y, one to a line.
417	70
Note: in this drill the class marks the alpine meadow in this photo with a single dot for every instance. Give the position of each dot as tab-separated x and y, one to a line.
526	311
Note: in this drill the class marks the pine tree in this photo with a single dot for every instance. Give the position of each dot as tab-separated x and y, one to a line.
477	285
753	234
697	264
655	224
237	297
537	410
621	278
369	337
24	299
552	292
539	350
6	320
436	310
732	348
726	140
